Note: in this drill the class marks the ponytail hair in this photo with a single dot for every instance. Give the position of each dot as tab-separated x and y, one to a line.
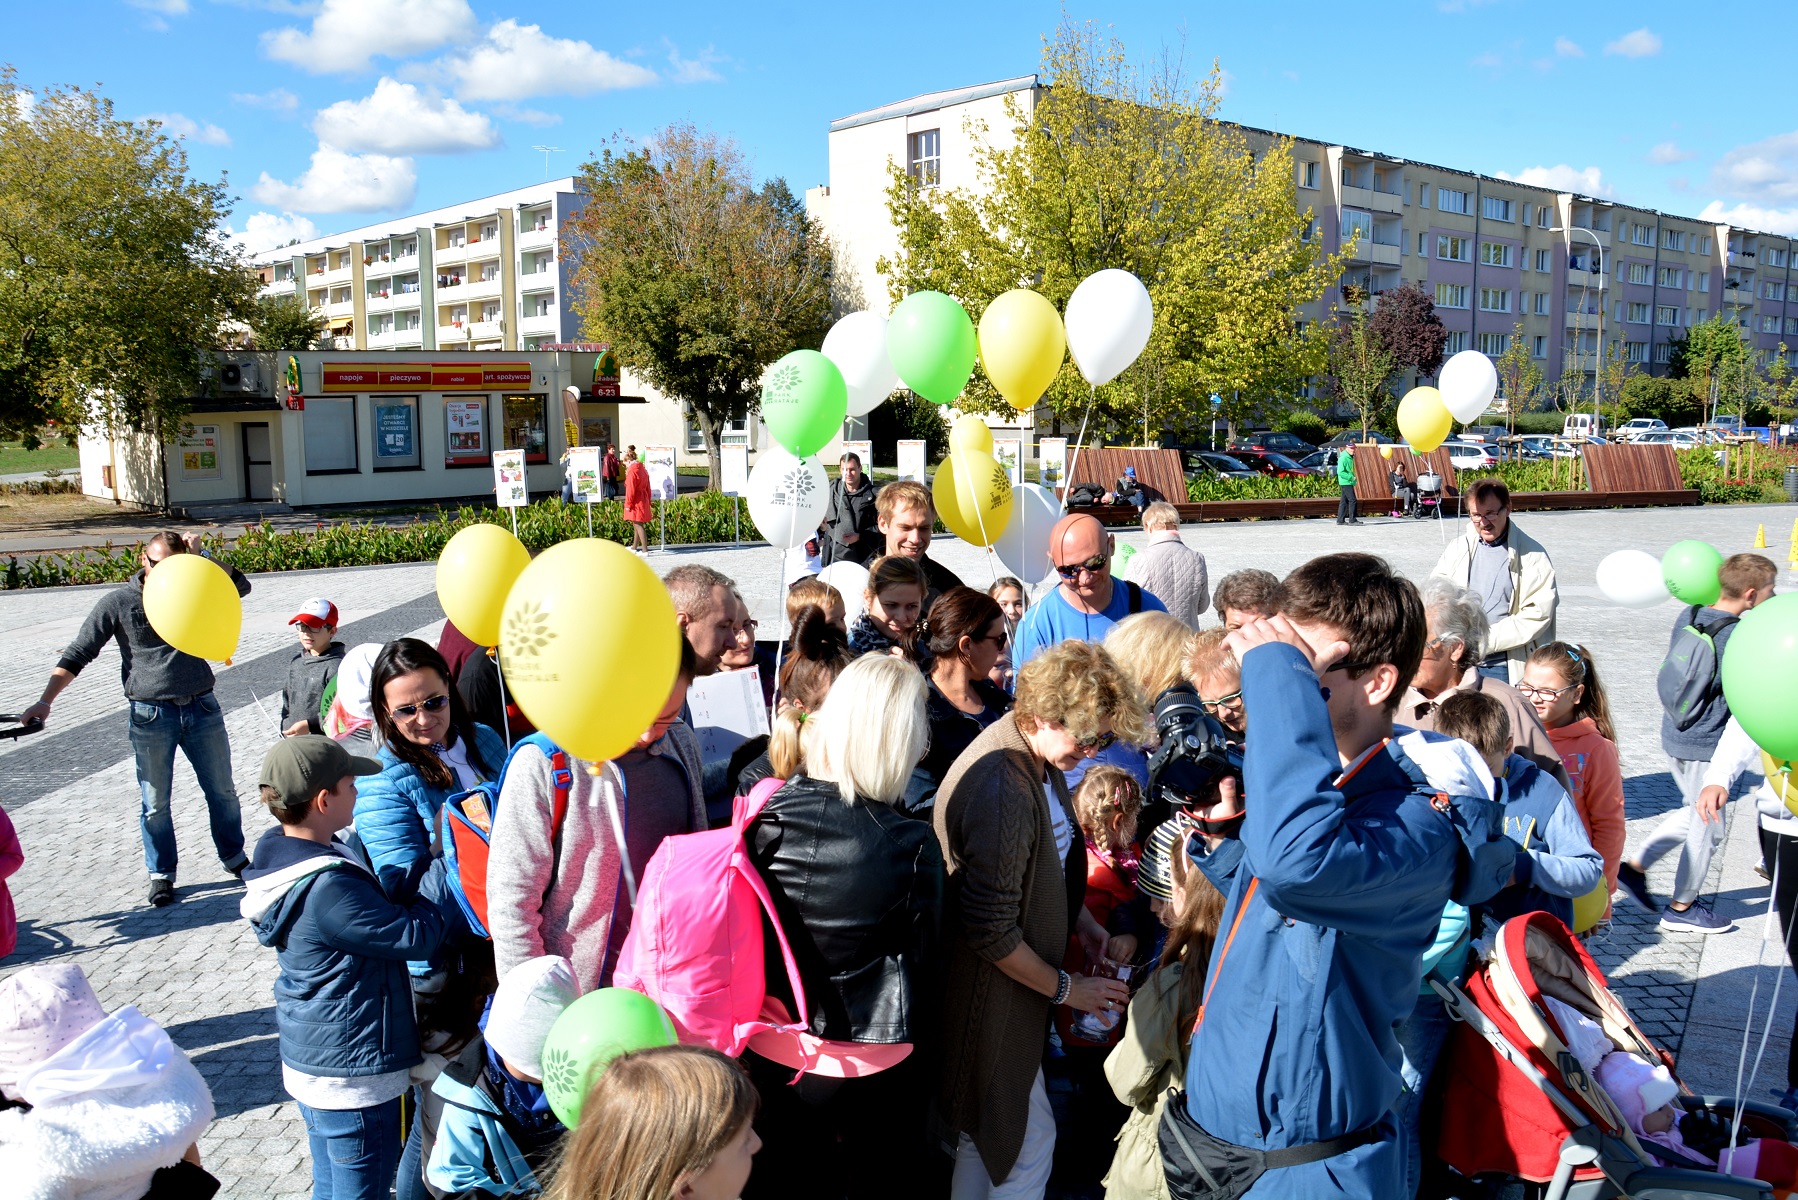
818	654
1574	664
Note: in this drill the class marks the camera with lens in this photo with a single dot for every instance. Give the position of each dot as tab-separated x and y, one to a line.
1194	756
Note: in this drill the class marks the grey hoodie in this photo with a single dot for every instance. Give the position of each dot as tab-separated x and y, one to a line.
149	667
307	676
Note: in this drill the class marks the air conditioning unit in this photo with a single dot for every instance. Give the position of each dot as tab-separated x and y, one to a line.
240	378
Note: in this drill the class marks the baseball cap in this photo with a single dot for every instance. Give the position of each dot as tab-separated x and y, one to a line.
1130	471
299	768
316	613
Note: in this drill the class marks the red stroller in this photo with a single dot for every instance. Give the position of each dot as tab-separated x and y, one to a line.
1517	1101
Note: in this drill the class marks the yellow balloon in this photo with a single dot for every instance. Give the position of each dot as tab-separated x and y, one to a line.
1385	451
193	606
971	433
475	571
590	646
1423	419
973	496
1022	343
1779	778
1588	910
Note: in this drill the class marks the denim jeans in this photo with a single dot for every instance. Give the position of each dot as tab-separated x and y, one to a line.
198	728
354	1150
1420	1037
1500	671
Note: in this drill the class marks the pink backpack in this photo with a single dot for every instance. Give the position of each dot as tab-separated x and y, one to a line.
695	948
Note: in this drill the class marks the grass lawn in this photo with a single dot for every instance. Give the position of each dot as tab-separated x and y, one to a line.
15	459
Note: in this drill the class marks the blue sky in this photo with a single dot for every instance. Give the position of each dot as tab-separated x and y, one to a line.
328	113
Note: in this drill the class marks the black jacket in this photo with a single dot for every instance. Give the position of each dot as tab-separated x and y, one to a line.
853	512
952	730
859	890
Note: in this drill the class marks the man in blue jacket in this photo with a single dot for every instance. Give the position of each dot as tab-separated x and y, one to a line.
1350	855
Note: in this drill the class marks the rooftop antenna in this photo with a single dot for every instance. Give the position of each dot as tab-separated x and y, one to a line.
547	151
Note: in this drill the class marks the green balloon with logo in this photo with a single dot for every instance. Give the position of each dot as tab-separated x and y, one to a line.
804	401
590	1033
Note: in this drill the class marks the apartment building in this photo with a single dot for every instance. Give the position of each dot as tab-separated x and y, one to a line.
482	275
1564	271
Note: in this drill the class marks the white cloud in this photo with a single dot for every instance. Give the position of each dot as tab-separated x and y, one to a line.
517	61
1563	178
1490	60
1752	216
347	33
527	116
702	68
1638	43
399	119
1670	152
167	8
266	230
341	182
1568	48
1765	171
280	99
176	125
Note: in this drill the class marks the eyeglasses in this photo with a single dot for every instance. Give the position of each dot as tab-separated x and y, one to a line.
1102	741
1234	697
1549	694
748	627
1350	668
406	712
1091	566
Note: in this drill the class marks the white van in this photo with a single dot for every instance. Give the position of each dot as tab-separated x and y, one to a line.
1582	425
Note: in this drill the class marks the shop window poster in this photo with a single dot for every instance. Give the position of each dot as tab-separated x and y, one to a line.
508	479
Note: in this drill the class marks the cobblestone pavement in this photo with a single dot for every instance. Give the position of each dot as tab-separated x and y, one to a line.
196	968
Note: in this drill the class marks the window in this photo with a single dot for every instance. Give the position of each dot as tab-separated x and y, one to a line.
526	427
1642	235
1423	245
1776	258
1455	249
1356	225
1494	208
1495	300
489	272
1540	350
1666	314
1307	174
1635	352
1451	201
1703	315
1638	272
1495	254
1545	260
1668	277
924	157
465	431
1769	324
1457	341
409	249
733	431
1663	352
1638	313
1543	217
396	432
1704	244
1791	325
283	272
1423	195
1673	239
329	432
406	320
1309	234
1704	282
1529	210
1773	291
1541	304
539	304
1494	344
1451	295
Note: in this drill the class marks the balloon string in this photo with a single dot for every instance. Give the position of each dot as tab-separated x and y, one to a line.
624	853
505	718
1067	483
780	644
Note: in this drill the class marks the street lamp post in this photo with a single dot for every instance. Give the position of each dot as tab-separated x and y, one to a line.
1598	362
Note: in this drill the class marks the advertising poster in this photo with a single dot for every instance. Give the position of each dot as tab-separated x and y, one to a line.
583	471
508	479
467	424
1052	462
727	711
664	484
198	447
734	470
863	451
596	431
1010	454
911	460
393	431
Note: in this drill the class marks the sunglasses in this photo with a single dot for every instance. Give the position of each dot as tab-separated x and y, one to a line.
1102	741
406	712
1549	694
1091	566
1234	697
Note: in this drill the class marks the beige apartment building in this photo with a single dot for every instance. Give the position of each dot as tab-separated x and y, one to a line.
1492	252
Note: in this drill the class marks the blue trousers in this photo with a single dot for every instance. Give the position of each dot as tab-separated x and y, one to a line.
354	1150
1420	1036
198	728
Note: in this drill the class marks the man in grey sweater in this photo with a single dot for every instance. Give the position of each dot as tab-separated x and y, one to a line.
1171	571
172	705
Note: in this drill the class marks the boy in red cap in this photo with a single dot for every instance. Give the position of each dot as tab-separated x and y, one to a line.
313	668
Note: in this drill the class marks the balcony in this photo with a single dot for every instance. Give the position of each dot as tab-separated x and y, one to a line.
384	340
469	289
1374	201
486	331
340	308
339	275
446	255
378	302
1580	361
532	238
1377	253
534	324
1577	240
453	334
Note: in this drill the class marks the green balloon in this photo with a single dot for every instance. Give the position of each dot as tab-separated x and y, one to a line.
1760	675
1690	571
804	401
931	344
590	1033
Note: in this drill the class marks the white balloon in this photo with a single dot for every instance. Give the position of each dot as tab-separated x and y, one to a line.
851	580
1108	320
1024	546
857	344
1468	383
1633	579
787	496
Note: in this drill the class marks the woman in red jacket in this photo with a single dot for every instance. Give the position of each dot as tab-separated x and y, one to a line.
636	500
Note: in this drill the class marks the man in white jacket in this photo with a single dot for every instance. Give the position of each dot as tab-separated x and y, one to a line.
1510	572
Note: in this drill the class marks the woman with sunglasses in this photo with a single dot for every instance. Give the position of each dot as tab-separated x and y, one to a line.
966	635
1017	874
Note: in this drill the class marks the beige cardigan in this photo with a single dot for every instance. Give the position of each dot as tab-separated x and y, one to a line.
1534	598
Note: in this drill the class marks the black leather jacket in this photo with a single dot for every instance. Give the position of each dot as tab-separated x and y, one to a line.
859	890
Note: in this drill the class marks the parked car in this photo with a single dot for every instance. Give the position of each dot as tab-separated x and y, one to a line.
1349	437
1470	456
1270	462
1206	463
1535	445
1289	444
1634	428
1320	462
1582	425
1489	434
1679	439
1726	424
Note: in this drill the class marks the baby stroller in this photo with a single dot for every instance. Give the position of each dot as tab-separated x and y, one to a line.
1517	1101
1429	495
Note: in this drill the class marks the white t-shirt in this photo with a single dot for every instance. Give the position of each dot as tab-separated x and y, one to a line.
456	759
336	1093
1058	821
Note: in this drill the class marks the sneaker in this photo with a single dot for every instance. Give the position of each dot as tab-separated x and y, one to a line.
1697	919
162	893
1633	881
1760	868
1787	1099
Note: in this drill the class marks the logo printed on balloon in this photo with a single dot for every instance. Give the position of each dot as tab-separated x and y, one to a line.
527	635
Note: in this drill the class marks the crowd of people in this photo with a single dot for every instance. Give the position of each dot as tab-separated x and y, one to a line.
989	870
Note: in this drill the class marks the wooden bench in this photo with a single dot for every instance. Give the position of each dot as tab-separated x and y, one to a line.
1161	473
1631	476
1373	483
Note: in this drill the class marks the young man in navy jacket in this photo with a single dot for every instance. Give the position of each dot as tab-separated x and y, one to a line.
1354	841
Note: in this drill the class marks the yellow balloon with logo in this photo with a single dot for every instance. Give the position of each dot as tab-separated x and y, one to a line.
590	646
1779	777
973	496
1423	420
475	571
1590	908
193	606
971	433
1022	343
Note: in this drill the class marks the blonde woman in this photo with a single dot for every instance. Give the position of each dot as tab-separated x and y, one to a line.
1149	648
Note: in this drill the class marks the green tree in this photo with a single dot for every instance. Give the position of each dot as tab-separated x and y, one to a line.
697	278
1654	396
1122	166
1359	365
283	323
1719	367
113	280
905	416
1519	378
1777	389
